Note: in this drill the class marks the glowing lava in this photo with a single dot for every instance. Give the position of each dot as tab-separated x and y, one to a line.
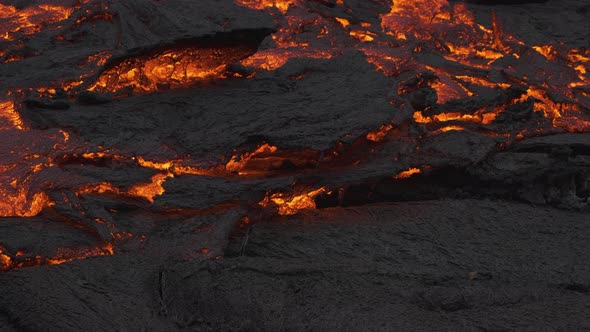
282	5
168	68
151	189
62	255
453	60
407	174
289	204
31	19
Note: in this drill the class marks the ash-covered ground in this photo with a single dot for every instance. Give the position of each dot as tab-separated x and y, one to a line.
333	165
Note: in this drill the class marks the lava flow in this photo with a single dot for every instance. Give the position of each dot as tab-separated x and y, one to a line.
168	68
445	72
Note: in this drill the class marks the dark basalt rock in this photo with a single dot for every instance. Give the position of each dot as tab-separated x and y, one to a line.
491	234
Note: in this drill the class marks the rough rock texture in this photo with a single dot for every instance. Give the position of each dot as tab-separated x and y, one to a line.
161	208
537	23
274	108
447	264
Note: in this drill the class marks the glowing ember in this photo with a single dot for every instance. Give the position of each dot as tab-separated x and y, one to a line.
344	22
449	128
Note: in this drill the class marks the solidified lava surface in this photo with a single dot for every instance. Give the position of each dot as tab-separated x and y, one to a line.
294	165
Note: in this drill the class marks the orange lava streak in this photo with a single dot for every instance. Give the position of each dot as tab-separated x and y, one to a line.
236	164
483	118
482	82
407	174
62	255
163	166
449	128
99	188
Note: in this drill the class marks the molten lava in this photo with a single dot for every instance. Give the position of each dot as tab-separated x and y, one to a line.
31	19
434	52
10	117
151	189
167	68
62	255
289	204
282	5
407	174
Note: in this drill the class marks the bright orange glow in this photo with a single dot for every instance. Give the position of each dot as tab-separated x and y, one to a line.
379	134
235	165
344	22
364	36
168	68
581	69
483	118
163	166
563	115
450	128
447	70
30	19
547	51
151	189
276	58
69	85
282	5
407	174
5	261
99	188
9	116
289	204
482	82
20	203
